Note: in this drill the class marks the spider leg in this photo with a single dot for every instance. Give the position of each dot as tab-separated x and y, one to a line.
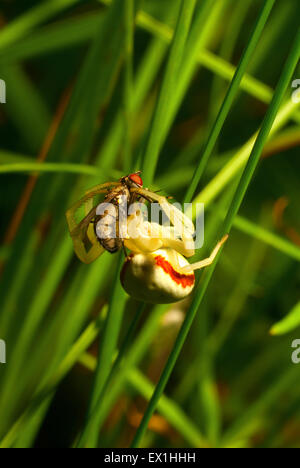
183	225
148	237
208	261
171	241
176	216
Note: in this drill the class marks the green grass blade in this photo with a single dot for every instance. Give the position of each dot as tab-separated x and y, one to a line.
226	387
93	417
129	23
107	349
65	34
143	81
288	323
37	15
268	237
268	398
167	89
67	168
206	19
168	408
81	345
236	164
25	107
173	413
263	234
266	128
133	357
283	83
91	91
229	98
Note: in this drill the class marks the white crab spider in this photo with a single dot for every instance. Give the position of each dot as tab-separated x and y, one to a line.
157	270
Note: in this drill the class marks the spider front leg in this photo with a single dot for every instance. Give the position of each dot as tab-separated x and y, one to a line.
181	237
208	261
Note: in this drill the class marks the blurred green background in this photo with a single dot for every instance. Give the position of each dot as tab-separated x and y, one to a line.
83	108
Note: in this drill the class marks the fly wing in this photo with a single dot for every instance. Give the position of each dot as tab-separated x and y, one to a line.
88	202
86	244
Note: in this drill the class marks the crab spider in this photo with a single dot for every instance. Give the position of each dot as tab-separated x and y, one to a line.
162	275
157	270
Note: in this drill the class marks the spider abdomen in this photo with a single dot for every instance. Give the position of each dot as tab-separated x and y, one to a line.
156	277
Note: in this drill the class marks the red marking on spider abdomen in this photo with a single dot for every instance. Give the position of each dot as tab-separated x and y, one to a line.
184	280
